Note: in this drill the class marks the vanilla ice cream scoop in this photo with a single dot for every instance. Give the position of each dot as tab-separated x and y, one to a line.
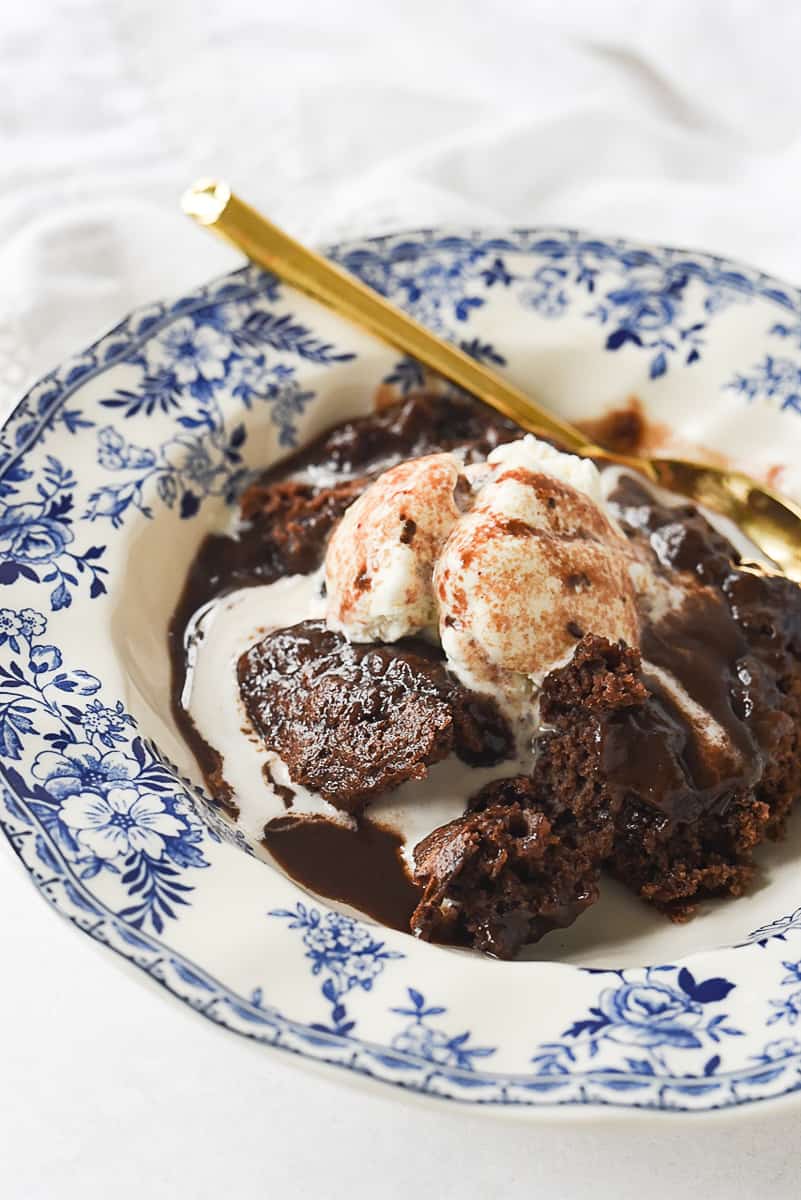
380	559
509	562
534	565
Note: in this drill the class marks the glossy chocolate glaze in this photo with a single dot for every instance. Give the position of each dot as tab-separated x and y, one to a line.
709	647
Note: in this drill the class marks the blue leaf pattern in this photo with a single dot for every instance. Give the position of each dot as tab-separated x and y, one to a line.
775	380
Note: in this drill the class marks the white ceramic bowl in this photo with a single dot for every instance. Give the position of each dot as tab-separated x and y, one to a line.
112	469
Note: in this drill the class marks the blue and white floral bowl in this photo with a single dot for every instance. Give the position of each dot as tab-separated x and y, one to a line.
112	469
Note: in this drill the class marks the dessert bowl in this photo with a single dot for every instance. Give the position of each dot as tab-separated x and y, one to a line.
114	468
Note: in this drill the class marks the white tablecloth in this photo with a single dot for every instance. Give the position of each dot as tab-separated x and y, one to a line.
671	121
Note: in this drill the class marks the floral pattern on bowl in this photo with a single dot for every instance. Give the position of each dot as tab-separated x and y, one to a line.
112	469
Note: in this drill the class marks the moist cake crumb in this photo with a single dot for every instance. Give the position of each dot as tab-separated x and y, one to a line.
352	721
527	858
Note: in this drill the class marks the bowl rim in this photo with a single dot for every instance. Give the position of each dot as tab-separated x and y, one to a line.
69	376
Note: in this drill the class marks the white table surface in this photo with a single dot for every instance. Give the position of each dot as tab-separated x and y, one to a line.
671	121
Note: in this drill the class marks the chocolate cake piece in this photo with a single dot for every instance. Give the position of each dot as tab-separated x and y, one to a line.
527	858
422	423
693	812
290	521
352	721
499	878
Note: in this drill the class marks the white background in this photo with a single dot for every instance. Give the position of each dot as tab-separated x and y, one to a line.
672	121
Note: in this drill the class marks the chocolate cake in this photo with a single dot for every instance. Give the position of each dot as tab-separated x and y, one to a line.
352	721
500	877
665	763
694	809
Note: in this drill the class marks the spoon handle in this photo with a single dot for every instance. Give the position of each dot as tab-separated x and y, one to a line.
213	204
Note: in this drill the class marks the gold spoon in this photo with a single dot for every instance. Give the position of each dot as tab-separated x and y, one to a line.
772	522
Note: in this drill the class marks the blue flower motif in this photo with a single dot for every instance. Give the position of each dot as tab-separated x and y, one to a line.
111	503
120	822
650	1014
82	767
424	1042
648	305
96	801
190	351
788	1009
189	372
35	537
193	459
775	379
11	627
110	448
547	295
288	400
340	944
344	952
33	623
44	658
437	287
247	376
116	454
28	536
107	724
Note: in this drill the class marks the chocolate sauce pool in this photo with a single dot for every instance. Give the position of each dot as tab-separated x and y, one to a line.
657	754
362	867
